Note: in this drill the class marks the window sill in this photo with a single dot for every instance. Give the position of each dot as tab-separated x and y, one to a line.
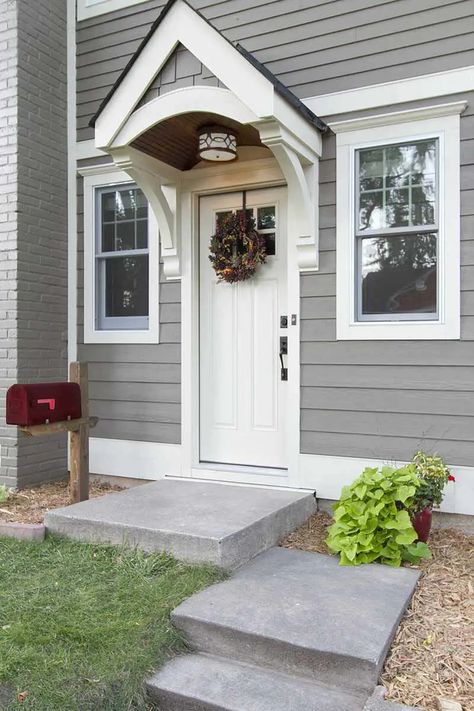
390	331
127	337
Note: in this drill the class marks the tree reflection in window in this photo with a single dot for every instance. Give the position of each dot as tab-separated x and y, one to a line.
397	232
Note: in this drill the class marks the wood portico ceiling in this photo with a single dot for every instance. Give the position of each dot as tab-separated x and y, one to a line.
175	140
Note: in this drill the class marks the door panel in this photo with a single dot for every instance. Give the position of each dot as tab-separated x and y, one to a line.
242	397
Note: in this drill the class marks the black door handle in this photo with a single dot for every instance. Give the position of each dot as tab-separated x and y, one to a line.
283	351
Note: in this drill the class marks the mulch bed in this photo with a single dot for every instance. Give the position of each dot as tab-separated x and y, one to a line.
30	505
433	652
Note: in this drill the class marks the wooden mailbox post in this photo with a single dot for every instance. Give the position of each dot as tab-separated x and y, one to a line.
78	436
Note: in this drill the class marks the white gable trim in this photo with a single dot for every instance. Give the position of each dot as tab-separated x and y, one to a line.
183	25
193	98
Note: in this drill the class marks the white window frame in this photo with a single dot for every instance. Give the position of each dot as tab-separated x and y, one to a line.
92	8
439	122
93	181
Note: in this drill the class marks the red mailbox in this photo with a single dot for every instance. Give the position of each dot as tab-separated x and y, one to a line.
39	403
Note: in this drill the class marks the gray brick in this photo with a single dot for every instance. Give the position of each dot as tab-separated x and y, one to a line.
33	240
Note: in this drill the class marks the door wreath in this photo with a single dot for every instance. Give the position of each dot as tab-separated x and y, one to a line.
236	248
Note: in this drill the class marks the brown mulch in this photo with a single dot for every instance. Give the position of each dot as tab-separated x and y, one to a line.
432	656
30	505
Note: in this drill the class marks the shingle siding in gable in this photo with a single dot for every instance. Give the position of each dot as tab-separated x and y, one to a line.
381	399
317	48
182	69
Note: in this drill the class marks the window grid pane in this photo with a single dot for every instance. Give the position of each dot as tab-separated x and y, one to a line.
397	187
122	211
396	232
122	262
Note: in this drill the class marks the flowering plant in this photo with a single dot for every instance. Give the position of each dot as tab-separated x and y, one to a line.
433	475
236	248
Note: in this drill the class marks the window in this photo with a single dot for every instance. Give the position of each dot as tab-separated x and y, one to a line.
397	225
265	221
122	258
121	263
396	231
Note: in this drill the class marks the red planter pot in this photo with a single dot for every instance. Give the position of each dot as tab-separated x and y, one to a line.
421	522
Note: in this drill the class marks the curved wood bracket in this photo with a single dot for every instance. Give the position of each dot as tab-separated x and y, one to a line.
299	165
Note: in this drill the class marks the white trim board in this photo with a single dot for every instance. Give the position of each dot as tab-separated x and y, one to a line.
133	459
93	8
103	176
87	149
324	474
364	133
327	475
425	86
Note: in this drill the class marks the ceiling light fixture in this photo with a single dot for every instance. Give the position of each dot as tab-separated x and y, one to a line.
217	144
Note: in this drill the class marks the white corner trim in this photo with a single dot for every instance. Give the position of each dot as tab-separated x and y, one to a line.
397	117
93	8
93	180
134	459
447	130
71	184
425	86
328	474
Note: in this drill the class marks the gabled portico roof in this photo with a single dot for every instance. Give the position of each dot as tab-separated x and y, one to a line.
278	86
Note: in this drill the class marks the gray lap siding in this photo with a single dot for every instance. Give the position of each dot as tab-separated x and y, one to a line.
384	399
360	399
318	48
135	389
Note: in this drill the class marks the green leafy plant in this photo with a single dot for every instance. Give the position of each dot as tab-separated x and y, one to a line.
4	493
371	519
433	475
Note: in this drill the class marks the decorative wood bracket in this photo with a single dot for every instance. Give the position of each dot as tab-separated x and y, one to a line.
299	164
160	183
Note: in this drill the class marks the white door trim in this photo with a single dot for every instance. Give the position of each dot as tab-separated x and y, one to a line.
253	174
237	387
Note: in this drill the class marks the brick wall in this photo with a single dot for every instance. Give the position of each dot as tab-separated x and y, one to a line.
8	229
35	287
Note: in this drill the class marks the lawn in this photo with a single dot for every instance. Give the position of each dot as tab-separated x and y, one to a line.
81	625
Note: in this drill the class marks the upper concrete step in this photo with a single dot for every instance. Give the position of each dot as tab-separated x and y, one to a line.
194	521
199	682
302	613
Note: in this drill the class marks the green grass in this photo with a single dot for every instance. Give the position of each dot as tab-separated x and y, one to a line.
81	626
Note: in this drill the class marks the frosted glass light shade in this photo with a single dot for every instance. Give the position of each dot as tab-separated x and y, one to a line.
217	144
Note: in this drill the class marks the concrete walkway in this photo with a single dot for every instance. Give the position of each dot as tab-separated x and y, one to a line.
194	521
290	631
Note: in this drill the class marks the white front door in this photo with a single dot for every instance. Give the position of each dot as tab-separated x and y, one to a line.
242	393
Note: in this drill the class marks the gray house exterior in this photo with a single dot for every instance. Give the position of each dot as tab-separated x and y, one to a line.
323	96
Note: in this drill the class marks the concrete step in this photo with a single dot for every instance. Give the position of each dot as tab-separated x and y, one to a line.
377	702
301	613
194	521
198	682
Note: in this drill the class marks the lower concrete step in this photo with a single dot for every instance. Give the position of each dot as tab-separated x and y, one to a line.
301	613
198	682
194	521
